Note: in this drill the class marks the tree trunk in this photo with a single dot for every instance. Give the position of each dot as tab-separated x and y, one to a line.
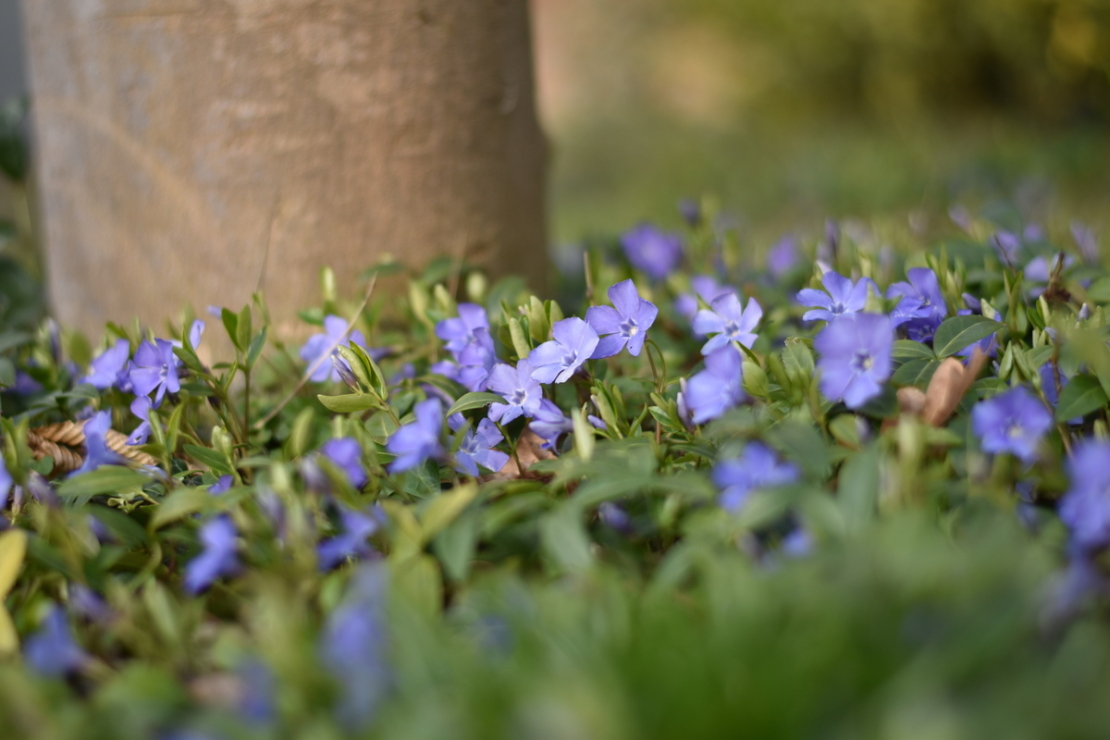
190	151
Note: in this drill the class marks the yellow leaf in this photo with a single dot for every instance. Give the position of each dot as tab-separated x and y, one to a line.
13	546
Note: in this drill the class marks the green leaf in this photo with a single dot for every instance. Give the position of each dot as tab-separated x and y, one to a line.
960	332
216	461
231	324
915	372
257	344
455	545
1080	397
584	440
858	487
181	503
755	379
476	400
797	358
350	402
564	539
243	329
108	479
906	350
440	511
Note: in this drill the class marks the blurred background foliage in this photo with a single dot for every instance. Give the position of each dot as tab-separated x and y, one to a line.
798	110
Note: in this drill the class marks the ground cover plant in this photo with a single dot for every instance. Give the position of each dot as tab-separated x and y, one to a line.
840	492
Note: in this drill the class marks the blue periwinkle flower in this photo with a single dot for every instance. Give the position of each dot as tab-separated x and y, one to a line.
110	367
354	646
1007	245
556	361
217	559
471	327
477	449
52	651
221	486
549	423
757	468
319	348
705	287
351	542
717	388
1085	508
515	384
141	407
729	322
783	256
855	357
346	453
1014	422
155	370
652	251
843	297
416	442
625	323
97	452
922	293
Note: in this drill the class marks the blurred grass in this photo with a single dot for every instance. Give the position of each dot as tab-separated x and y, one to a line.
796	111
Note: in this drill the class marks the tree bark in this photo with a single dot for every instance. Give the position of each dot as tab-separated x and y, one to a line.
192	151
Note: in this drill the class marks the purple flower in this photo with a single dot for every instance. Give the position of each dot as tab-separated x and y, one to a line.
549	423
517	387
757	468
782	257
1007	244
52	651
346	453
141	407
923	291
416	442
476	361
1086	241
987	345
707	288
354	643
855	357
1085	508
351	542
216	559
1013	422
154	370
97	452
221	486
6	482
716	389
319	345
624	323
557	360
843	297
691	211
109	368
656	253
728	322
798	543
614	517
471	327
1039	270
477	449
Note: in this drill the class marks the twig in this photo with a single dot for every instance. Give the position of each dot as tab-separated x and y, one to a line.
326	355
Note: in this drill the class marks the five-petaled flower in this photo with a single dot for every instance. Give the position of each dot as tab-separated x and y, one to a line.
319	348
477	449
154	369
843	297
1085	508
517	387
346	454
557	360
729	322
625	323
924	306
717	388
855	357
217	558
416	442
652	251
757	468
1014	422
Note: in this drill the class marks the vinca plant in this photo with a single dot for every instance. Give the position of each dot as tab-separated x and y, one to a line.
860	488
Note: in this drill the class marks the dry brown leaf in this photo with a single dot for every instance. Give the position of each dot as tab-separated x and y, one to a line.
529	450
948	386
